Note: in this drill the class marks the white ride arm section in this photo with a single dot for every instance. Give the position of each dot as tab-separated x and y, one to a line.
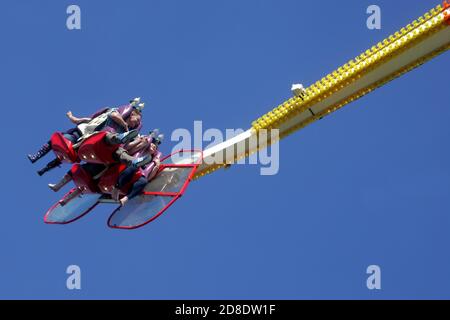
227	152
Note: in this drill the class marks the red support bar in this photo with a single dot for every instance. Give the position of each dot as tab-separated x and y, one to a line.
446	6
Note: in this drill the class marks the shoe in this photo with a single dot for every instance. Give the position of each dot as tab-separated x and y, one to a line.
141	161
41	152
52	164
123	200
125	137
57	186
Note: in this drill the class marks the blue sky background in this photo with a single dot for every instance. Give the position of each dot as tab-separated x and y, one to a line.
367	185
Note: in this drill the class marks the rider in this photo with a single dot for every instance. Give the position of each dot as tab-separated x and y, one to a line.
113	120
150	145
141	147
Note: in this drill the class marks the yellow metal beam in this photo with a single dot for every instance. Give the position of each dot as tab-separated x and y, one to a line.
385	51
412	46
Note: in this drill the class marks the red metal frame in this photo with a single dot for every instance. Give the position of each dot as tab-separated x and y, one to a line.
171	194
175	195
446	5
70	221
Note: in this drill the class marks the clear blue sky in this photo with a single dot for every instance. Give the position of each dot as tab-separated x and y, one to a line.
367	185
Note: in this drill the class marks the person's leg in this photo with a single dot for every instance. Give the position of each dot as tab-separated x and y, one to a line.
135	190
40	153
52	164
57	186
72	135
124	178
120	138
111	138
123	157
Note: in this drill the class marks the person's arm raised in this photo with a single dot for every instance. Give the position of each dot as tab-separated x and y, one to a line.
76	120
117	118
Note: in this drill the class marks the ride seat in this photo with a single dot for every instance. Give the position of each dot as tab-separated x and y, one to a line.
95	150
63	148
